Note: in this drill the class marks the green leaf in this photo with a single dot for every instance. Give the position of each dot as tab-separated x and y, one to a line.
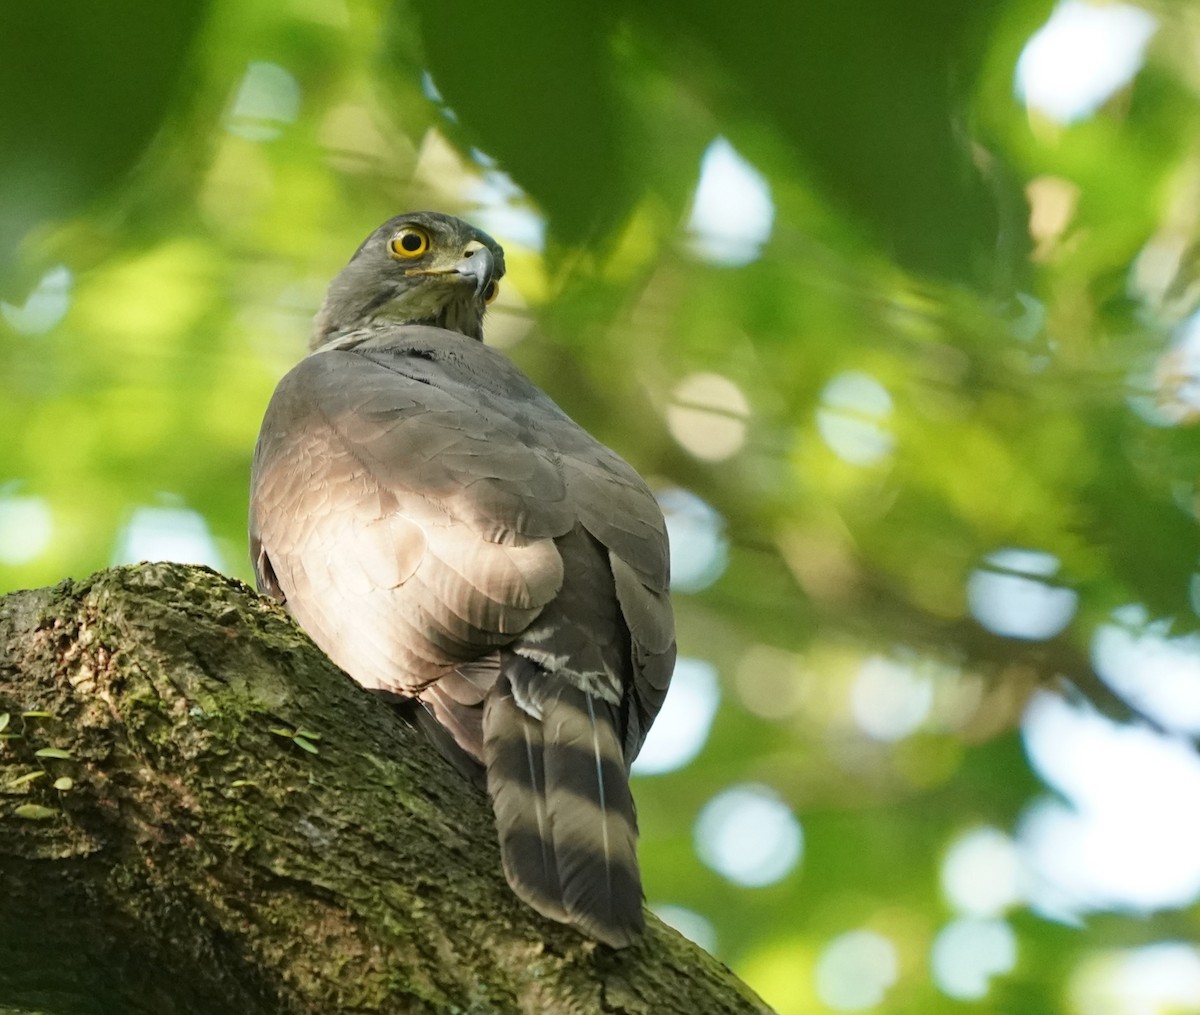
37	714
4	718
307	734
283	731
35	812
64	783
243	782
53	752
305	745
24	780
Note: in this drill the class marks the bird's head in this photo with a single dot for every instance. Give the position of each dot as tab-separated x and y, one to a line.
418	268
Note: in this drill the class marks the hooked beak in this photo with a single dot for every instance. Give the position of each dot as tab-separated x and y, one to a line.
479	266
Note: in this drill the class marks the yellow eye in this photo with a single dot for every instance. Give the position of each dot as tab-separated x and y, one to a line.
491	292
410	242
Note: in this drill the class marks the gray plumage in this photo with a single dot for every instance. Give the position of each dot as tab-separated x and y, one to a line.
445	532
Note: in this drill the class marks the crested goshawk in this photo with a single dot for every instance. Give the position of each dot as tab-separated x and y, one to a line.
445	532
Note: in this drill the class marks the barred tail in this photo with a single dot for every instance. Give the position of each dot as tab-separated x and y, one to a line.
560	791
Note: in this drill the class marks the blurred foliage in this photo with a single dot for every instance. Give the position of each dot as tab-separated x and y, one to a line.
178	183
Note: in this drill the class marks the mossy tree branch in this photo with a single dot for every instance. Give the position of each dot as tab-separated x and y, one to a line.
170	842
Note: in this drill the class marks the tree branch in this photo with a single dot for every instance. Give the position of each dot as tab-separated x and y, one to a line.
169	842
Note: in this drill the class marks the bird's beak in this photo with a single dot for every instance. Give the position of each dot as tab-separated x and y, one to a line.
480	266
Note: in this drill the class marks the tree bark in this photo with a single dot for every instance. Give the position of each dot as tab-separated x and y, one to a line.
170	842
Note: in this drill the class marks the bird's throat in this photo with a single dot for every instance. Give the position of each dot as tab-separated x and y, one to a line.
460	313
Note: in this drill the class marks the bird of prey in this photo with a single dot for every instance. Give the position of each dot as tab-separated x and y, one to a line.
446	533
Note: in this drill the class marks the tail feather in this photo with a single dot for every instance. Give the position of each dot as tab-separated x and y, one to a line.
563	808
593	823
516	782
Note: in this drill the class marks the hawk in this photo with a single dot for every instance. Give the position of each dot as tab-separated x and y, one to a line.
446	533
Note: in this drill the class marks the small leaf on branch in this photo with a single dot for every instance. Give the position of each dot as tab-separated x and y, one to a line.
34	812
24	780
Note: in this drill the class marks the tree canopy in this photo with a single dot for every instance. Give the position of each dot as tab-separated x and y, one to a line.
894	304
